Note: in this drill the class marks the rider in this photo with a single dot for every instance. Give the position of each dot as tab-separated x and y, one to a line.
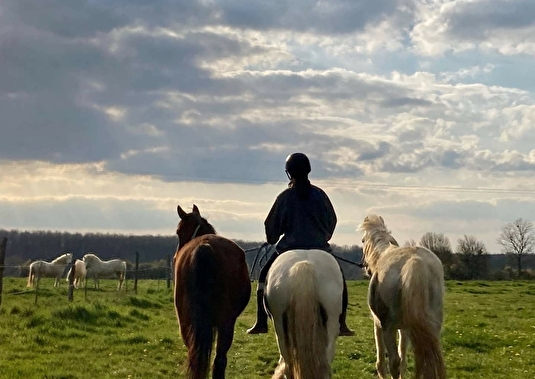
305	217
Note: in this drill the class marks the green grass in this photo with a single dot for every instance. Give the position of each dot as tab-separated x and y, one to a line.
489	332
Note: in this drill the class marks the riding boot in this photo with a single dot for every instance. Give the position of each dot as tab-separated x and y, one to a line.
344	330
261	325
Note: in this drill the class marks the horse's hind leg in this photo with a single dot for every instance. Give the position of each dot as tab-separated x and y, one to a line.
225	335
380	364
389	335
402	351
280	370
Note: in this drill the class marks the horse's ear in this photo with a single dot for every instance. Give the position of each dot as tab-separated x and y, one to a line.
181	212
197	214
382	221
366	219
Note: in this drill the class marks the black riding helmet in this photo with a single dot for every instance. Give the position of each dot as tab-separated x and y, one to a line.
297	166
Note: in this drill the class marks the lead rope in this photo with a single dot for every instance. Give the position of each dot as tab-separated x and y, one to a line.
195	232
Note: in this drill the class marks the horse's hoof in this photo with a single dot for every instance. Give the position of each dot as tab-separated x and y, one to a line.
257	330
346	333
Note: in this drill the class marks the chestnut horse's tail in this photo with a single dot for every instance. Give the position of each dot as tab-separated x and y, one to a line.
202	303
421	320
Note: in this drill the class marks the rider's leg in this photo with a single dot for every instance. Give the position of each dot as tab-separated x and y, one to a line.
344	330
261	325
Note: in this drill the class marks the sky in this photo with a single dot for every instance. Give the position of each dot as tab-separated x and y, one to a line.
115	112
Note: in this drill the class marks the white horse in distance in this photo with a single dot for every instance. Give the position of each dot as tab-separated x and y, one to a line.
304	298
54	269
405	294
97	268
80	273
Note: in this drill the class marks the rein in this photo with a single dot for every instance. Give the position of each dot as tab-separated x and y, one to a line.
361	265
192	237
195	232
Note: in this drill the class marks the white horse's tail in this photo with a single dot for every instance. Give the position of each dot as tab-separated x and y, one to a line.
31	276
122	275
306	330
422	325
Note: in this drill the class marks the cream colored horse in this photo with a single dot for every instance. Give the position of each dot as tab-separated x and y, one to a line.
406	293
304	297
79	273
52	269
97	268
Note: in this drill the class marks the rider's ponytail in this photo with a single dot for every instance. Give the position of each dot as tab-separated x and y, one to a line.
302	187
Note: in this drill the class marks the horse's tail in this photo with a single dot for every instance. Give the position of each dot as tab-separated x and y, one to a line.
306	330
31	276
422	324
200	286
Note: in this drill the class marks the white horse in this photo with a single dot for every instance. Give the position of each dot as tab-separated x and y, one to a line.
52	269
97	268
406	293
79	273
304	298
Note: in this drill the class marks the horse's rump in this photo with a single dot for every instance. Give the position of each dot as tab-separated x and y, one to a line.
421	303
197	308
212	288
304	297
306	320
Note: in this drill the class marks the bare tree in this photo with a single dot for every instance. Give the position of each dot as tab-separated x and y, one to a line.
410	243
517	239
473	258
439	244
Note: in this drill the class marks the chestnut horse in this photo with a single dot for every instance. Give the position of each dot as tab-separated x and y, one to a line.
212	288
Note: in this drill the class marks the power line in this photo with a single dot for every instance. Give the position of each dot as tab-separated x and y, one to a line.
340	184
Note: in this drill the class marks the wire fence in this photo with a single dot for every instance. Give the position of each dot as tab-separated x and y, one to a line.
157	274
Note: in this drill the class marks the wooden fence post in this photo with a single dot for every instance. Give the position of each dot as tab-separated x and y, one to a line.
36	285
85	286
2	260
135	272
168	271
70	292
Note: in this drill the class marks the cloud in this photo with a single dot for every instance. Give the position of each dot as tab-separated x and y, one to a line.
333	17
120	110
504	26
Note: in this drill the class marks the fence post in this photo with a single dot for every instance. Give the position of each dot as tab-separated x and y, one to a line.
2	260
135	272
168	271
70	292
36	284
85	286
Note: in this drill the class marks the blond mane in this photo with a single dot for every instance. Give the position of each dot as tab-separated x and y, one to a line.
377	238
405	294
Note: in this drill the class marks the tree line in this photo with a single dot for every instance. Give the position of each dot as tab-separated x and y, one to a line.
469	260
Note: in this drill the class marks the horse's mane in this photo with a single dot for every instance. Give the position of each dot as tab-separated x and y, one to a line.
206	227
61	257
92	256
377	238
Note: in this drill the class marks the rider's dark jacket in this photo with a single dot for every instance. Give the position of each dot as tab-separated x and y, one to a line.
304	223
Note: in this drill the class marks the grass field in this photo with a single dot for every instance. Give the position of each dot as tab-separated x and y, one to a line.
489	332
